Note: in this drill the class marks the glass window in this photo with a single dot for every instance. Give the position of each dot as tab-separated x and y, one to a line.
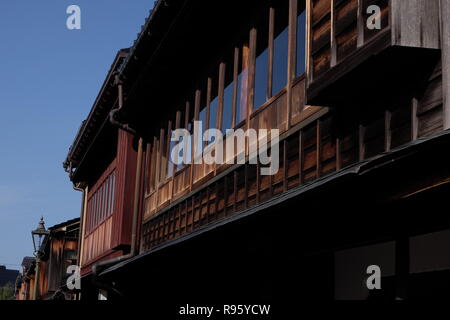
280	61
227	114
301	43
262	63
261	76
227	118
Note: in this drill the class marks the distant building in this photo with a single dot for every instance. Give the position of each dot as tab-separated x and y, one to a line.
7	276
60	250
24	278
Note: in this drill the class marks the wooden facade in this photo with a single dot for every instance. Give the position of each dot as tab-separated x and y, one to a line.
342	94
60	250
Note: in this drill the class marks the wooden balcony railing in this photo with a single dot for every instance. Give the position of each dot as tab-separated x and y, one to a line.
272	115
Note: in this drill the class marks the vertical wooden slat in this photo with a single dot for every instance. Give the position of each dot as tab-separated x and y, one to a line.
387	130
155	162
309	69
360	24
174	167
235	85
187	115
221	88
251	76
301	156
208	104
194	144
333	58
167	163
219	119
292	56
160	154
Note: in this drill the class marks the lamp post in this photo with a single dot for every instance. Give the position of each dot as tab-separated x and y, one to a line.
38	236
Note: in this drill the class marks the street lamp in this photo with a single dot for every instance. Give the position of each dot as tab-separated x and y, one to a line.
38	236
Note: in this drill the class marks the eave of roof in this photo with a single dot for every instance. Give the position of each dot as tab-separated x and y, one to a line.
64	224
84	133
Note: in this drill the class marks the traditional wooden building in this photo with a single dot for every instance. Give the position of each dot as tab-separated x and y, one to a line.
359	91
59	251
23	281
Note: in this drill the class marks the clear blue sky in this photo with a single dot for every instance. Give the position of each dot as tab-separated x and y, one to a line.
49	79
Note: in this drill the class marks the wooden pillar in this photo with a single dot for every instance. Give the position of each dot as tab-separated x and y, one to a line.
445	43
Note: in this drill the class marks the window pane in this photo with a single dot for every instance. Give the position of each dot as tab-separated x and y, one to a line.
228	108
301	43
280	58
213	113
261	75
